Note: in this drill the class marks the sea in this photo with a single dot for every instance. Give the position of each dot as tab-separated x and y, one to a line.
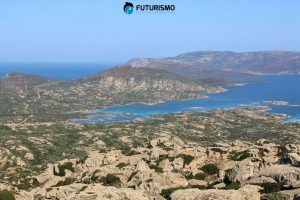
260	88
57	71
284	88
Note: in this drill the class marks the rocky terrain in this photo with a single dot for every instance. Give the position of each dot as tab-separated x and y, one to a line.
237	154
25	97
168	168
225	64
183	156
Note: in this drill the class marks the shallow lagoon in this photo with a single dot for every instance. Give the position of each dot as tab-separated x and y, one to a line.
262	88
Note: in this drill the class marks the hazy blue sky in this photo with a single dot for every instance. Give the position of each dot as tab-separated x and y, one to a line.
99	31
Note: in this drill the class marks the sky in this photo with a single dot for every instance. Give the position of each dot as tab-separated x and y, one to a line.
99	30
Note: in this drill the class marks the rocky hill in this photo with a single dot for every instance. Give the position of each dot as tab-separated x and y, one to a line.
225	64
31	95
180	157
167	168
23	80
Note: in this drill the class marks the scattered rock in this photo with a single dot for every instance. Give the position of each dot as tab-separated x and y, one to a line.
245	193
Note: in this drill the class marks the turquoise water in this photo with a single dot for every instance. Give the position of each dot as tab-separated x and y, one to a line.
266	88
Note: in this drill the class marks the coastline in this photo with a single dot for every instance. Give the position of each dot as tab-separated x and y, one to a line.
275	106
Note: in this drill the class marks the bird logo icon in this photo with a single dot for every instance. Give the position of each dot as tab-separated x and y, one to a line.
128	8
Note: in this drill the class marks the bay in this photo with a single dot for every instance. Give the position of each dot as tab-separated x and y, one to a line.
262	88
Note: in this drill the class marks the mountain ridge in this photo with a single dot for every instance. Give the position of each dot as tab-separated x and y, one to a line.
225	64
117	86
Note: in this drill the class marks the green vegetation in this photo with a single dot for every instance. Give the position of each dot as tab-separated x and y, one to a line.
274	196
282	151
94	178
126	150
217	150
187	159
232	186
198	176
67	181
239	156
166	193
271	187
156	168
132	175
53	101
210	169
28	183
200	187
111	180
121	165
6	195
62	169
53	143
83	188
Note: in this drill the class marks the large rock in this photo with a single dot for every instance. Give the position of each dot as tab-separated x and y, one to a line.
48	178
112	157
178	163
156	182
257	180
141	166
94	192
166	165
292	194
293	159
168	180
94	159
245	193
270	160
244	169
176	142
284	173
109	193
156	152
64	192
293	148
238	143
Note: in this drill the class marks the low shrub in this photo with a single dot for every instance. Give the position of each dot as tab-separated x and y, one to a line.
6	128
6	195
67	181
111	180
232	186
156	168
200	187
210	169
63	167
271	187
274	196
187	159
198	176
167	148
94	178
149	180
28	183
218	150
126	150
166	193
282	151
239	156
132	175
121	165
